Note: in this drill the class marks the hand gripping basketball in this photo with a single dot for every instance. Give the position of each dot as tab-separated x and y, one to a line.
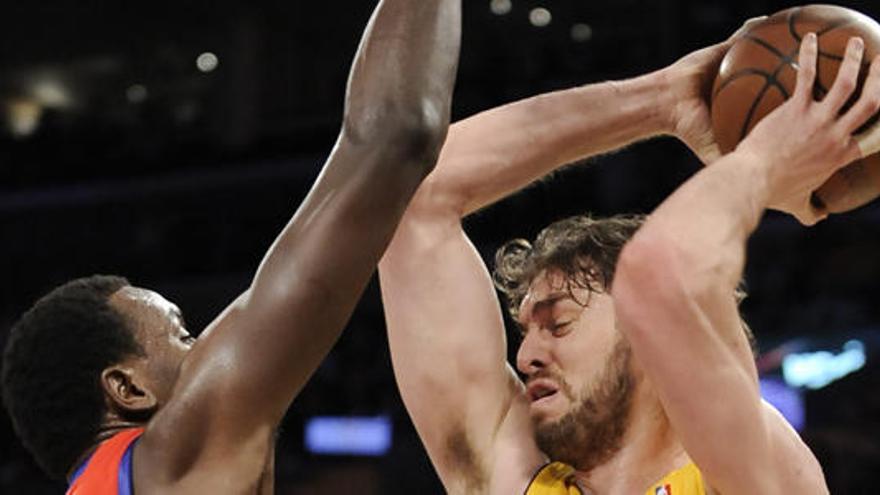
759	73
869	141
804	141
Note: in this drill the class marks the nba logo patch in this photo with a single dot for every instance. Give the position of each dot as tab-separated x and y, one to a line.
663	490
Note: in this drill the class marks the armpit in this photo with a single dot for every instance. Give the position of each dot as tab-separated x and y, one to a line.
461	460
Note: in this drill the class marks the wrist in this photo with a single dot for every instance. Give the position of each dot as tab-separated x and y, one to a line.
649	102
668	83
754	166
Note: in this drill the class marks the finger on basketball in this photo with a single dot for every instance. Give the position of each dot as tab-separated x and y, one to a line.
869	141
868	103
806	77
748	25
847	77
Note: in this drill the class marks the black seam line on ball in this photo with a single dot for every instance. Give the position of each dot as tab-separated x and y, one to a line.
792	29
772	78
765	44
751	114
772	81
769	78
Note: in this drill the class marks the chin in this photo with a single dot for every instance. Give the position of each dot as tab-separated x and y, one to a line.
548	416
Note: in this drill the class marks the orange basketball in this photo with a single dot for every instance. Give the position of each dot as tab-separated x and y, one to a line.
760	71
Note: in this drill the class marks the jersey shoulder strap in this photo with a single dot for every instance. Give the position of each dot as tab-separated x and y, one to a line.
555	478
108	470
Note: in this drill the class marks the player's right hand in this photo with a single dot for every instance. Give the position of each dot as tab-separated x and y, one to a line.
690	82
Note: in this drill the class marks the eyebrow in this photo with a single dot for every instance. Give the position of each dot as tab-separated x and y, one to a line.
548	301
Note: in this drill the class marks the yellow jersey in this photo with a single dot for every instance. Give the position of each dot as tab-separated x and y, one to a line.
557	478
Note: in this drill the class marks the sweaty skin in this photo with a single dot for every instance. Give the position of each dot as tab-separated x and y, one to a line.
446	332
213	432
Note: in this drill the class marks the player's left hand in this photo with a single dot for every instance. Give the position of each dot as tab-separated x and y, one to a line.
690	80
804	142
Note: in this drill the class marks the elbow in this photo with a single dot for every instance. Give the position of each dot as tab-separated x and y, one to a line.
408	135
651	274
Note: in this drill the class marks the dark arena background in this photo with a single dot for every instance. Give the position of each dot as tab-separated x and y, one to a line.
170	141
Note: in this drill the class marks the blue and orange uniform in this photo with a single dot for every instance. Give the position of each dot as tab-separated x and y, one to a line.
557	478
108	470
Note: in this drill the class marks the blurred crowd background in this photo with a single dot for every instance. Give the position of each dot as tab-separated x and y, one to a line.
170	141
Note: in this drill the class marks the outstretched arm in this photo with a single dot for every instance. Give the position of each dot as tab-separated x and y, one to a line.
445	326
674	285
246	368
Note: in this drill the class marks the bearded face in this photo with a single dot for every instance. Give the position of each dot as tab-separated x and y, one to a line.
592	431
577	367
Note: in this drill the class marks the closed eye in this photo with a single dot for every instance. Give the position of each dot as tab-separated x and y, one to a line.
558	327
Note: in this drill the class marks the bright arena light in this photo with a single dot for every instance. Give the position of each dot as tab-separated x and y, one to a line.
501	7
51	93
23	117
136	93
540	17
581	32
348	435
207	62
815	370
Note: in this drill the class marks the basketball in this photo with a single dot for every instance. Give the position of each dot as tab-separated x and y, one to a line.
759	73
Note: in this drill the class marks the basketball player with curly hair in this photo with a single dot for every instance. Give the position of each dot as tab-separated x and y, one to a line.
637	374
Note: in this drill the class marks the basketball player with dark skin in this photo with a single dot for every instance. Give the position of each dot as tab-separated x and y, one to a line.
213	403
695	398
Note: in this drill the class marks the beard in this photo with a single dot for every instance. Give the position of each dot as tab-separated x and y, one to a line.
592	432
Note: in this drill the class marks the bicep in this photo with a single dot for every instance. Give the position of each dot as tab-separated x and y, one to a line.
449	349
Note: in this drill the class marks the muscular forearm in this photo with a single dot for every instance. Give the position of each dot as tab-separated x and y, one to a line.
709	219
397	113
274	336
500	151
403	74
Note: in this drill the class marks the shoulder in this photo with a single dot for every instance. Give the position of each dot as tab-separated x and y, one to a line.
109	468
170	460
791	458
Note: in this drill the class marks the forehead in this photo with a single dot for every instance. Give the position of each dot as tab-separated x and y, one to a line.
547	287
143	303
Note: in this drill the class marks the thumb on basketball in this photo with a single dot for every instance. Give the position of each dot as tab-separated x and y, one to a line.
869	141
709	153
745	28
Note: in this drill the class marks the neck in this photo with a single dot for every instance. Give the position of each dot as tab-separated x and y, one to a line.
111	427
650	451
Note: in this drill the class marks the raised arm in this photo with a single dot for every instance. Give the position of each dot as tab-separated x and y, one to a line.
248	365
674	284
445	326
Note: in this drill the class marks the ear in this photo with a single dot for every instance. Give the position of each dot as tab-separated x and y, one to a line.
126	391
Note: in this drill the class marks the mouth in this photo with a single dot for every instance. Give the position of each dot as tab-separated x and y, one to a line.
539	391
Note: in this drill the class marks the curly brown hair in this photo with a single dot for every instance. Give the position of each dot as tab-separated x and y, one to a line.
583	248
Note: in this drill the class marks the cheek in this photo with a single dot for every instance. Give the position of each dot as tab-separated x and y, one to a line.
167	363
582	356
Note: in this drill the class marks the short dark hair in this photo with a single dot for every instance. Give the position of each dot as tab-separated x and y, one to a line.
583	248
52	365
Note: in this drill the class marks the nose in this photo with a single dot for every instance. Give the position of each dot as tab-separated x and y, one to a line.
533	354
